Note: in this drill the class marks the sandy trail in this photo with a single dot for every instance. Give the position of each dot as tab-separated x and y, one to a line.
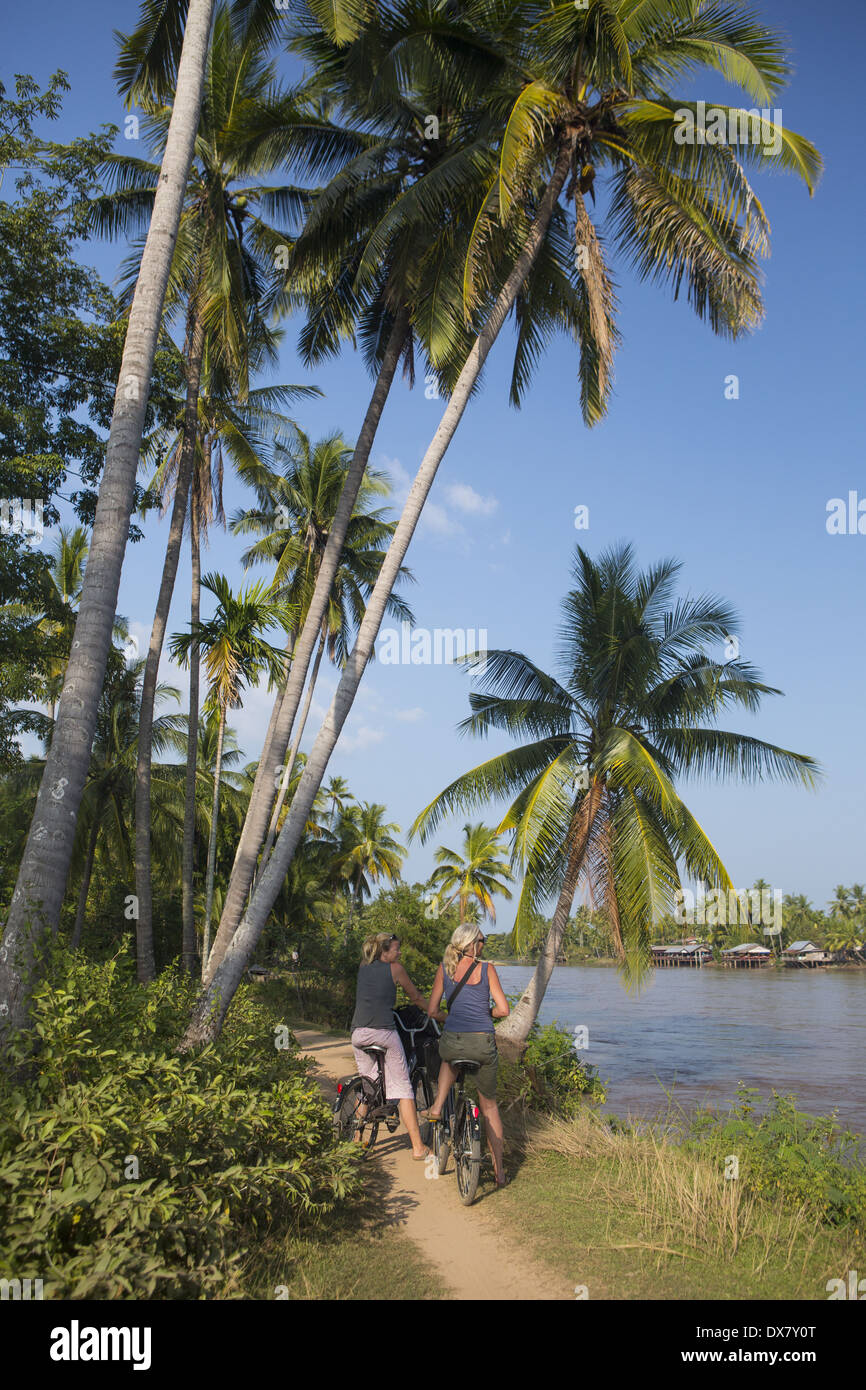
471	1254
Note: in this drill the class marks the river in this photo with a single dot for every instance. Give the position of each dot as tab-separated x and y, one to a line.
701	1032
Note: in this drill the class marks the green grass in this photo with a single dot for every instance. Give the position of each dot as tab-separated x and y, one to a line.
632	1217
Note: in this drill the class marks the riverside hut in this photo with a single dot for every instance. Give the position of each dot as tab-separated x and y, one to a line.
693	954
748	956
805	953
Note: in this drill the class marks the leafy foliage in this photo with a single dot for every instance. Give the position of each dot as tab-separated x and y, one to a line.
549	1077
60	349
807	1159
227	1143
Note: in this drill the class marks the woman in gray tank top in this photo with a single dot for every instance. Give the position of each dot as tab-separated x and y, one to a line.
468	1033
379	974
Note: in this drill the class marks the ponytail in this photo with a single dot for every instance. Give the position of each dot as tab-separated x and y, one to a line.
374	945
462	937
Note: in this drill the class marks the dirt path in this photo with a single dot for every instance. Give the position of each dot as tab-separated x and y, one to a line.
472	1256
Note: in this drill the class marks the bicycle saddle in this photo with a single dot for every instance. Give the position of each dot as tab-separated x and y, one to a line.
375	1050
465	1064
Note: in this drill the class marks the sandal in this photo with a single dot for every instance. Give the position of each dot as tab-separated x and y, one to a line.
421	1158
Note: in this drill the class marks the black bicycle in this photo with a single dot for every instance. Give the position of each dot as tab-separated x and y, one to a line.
460	1130
361	1104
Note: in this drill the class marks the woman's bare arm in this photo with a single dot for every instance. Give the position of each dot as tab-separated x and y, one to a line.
501	1008
399	976
437	992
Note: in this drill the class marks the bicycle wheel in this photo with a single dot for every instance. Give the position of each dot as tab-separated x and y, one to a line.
442	1139
467	1155
357	1099
423	1101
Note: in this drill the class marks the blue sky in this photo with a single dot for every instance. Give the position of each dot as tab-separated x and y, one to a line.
735	489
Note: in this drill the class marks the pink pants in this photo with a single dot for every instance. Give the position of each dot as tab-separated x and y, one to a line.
397	1085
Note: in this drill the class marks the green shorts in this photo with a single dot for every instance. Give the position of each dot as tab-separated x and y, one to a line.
473	1047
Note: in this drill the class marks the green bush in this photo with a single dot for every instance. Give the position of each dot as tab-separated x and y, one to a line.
808	1159
129	1171
549	1077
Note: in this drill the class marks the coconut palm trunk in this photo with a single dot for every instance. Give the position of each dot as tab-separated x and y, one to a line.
186	463
273	755
211	1009
39	891
188	857
289	768
84	890
514	1030
211	848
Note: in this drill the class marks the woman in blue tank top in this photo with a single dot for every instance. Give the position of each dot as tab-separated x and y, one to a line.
468	1032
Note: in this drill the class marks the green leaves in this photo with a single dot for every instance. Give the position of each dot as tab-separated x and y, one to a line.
342	20
227	1143
594	795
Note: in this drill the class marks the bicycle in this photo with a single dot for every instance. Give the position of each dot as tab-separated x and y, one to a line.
361	1104
459	1129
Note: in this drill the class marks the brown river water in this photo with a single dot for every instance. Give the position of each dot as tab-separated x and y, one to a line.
700	1032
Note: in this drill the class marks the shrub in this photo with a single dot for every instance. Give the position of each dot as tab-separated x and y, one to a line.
549	1076
129	1171
808	1159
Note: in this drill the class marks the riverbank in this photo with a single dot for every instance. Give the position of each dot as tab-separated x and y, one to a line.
597	1210
693	1036
608	963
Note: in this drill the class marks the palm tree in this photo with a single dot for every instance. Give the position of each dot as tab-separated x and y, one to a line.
235	655
294	519
247	433
841	906
594	791
396	296
858	899
587	91
42	875
224	273
478	872
367	852
845	937
110	788
64	579
337	795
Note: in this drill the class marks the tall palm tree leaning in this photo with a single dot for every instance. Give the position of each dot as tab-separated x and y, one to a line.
224	273
594	795
247	433
235	654
475	874
390	296
294	521
39	890
587	93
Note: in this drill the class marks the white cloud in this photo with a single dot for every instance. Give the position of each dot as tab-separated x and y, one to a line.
365	737
436	519
410	716
467	500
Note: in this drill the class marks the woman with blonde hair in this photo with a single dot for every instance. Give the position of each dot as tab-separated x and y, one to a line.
379	974
468	985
